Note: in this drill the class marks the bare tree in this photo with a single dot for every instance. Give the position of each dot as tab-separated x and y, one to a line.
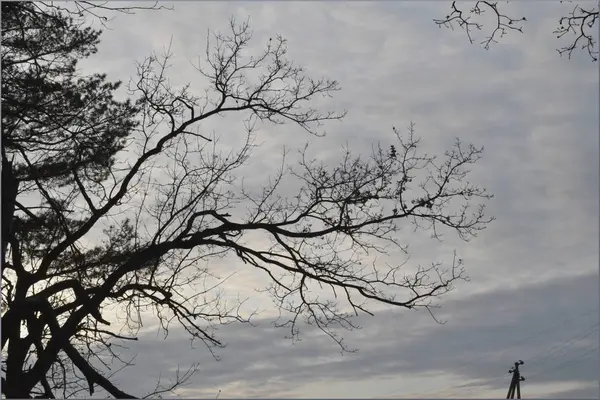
578	23
136	237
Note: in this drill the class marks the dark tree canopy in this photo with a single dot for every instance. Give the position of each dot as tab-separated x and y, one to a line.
119	204
577	27
56	120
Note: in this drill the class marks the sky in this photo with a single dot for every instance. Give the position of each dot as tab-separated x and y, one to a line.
533	289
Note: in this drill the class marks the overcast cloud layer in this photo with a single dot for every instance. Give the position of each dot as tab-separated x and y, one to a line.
533	293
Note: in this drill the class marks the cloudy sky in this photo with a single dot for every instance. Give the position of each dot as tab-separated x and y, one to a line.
533	293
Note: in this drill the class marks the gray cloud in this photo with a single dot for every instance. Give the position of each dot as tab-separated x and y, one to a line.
549	325
533	270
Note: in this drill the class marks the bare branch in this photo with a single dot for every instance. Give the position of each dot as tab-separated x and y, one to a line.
579	22
503	24
136	203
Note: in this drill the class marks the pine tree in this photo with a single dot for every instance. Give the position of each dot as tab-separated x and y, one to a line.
59	129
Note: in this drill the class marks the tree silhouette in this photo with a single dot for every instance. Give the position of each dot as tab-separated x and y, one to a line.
120	204
578	23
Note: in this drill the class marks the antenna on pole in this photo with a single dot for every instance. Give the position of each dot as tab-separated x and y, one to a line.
515	382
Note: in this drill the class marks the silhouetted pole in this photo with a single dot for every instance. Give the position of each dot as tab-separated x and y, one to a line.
515	382
511	394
